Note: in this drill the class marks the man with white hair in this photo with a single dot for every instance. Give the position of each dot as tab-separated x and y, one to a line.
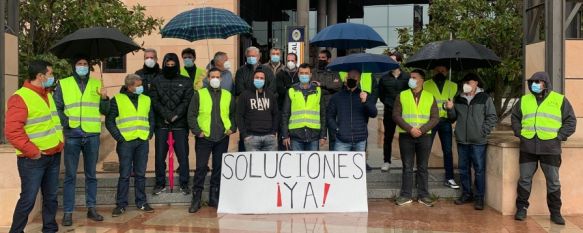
150	70
221	62
244	75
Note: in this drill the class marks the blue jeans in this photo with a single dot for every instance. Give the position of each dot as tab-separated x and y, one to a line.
261	143
445	136
42	174
304	146
181	153
132	154
73	148
343	146
472	156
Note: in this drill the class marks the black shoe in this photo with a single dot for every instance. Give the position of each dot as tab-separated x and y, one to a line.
368	168
214	197
93	215
184	189
195	203
557	219
68	219
464	199
520	214
146	208
158	190
118	211
479	204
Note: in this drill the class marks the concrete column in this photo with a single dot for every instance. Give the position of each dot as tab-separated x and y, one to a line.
332	13
303	10
322	14
555	43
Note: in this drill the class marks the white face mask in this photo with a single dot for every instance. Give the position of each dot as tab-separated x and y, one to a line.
227	65
467	88
215	83
150	63
291	65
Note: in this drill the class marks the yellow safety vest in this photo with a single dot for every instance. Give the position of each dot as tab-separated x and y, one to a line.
133	123
415	114
304	113
206	107
448	92
43	126
365	80
82	109
542	120
198	77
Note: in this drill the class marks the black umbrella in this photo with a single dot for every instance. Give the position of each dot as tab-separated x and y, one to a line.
456	54
96	43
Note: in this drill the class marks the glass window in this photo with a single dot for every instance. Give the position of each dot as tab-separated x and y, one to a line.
375	16
114	65
401	15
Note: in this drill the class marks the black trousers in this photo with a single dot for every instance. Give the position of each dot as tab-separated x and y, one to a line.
204	148
550	165
415	150
390	127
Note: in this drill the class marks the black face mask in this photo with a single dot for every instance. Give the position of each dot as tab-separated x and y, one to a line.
322	64
439	77
170	71
351	83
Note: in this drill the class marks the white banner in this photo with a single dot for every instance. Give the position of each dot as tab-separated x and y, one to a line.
293	182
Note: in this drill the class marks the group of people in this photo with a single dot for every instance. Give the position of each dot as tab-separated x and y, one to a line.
279	105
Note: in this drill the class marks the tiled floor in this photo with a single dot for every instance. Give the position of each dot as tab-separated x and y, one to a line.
383	216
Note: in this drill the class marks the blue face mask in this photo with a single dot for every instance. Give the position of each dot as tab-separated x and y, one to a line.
49	82
139	90
304	78
259	83
536	88
82	70
251	60
412	83
188	62
275	58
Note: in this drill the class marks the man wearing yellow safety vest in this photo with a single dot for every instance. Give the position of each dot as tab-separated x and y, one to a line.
330	84
443	90
80	101
211	118
415	112
304	115
541	119
34	130
131	123
190	70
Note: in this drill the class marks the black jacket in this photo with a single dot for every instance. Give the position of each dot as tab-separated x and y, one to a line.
536	145
148	75
114	112
244	79
475	120
348	117
171	94
257	114
304	134
285	79
329	82
391	86
217	127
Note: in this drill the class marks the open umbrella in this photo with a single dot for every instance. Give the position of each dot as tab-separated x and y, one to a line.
348	36
457	54
364	62
170	159
95	42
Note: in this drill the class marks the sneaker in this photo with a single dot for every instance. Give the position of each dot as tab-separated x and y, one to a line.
520	214
146	208
426	201
464	199
557	219
184	189
479	204
386	167
118	211
452	184
159	189
401	201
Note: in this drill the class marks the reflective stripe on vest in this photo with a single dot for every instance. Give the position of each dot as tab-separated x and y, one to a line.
448	92
304	113
365	80
542	120
205	108
43	126
415	114
198	77
82	109
133	123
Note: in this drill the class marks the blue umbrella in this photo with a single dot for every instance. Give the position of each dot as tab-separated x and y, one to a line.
348	36
364	62
205	23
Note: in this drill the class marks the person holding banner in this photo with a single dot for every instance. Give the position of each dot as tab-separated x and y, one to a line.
347	115
415	112
304	114
211	118
131	123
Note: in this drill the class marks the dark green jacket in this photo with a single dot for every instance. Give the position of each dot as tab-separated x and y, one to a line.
475	120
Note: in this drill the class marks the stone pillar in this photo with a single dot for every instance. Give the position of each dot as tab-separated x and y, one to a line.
332	13
303	10
322	14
